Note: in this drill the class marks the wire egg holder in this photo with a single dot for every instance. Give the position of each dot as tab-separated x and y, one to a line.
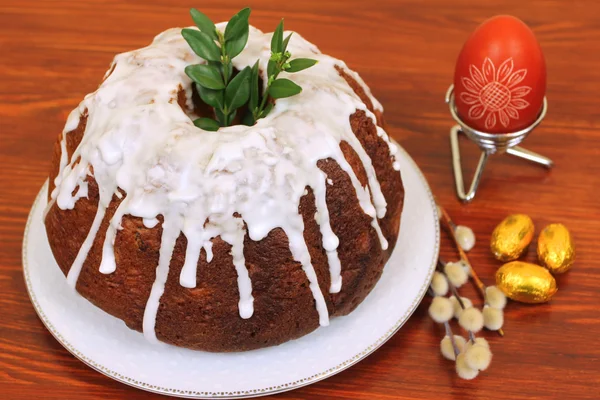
489	143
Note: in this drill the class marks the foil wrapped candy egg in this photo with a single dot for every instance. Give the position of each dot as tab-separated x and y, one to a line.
512	237
500	77
526	282
556	250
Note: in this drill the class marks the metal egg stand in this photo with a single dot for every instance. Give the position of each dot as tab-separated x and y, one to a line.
489	143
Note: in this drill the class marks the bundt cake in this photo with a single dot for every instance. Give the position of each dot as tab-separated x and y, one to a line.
226	240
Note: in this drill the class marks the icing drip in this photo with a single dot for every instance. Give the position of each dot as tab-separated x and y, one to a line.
75	269
108	264
378	199
168	239
393	148
187	277
198	236
376	104
301	254
234	235
150	222
71	124
330	240
235	182
364	197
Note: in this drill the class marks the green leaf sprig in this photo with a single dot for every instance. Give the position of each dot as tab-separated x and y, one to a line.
215	82
276	88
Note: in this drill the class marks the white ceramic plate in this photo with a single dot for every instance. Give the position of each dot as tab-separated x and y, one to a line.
107	345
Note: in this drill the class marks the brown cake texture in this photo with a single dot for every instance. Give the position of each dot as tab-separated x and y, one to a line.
206	317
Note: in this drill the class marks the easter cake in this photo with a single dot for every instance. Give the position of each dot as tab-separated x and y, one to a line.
232	239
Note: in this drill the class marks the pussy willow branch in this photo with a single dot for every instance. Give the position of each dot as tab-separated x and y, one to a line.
454	291
450	228
462	305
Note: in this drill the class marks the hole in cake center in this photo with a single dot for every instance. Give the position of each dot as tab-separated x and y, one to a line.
202	110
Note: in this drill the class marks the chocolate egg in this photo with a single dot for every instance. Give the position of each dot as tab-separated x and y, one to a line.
500	77
511	237
556	250
525	282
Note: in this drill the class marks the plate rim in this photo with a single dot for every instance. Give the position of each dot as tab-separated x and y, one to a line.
251	392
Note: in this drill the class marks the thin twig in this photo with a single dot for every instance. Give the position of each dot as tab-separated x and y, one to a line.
471	337
451	336
448	329
454	291
450	226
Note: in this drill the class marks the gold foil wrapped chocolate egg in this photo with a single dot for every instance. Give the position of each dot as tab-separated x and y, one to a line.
555	248
511	237
526	282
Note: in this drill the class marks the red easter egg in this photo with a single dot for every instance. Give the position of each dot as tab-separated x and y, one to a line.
500	77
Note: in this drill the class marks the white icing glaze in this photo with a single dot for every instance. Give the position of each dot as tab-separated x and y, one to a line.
150	222
138	139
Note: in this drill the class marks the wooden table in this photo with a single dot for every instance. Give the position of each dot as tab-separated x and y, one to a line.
54	52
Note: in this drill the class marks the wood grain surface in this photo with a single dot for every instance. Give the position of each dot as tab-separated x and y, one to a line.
55	52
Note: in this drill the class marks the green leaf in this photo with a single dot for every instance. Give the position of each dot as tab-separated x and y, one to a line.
277	39
237	25
207	124
205	75
254	90
285	42
272	68
234	46
266	111
300	63
213	98
204	23
236	33
221	117
238	90
248	119
283	88
202	44
232	115
225	119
